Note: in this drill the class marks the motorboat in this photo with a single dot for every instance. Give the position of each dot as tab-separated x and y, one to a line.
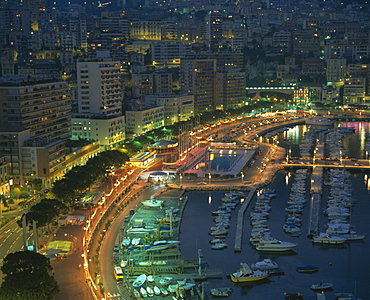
164	292
219	246
139	281
246	274
215	241
307	269
135	241
150	291
161	245
221	292
126	242
143	292
266	264
152	203
324	238
165	280
321	286
157	290
273	244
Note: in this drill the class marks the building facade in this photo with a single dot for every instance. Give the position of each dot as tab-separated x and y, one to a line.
43	105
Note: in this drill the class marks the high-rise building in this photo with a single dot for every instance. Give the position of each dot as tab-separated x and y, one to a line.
198	77
213	29
15	19
42	105
35	6
100	96
99	87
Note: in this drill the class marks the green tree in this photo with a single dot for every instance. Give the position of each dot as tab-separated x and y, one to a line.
27	276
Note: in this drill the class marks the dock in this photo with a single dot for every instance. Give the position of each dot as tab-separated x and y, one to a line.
316	187
320	296
240	219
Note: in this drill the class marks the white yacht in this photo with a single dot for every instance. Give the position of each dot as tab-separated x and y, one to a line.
273	244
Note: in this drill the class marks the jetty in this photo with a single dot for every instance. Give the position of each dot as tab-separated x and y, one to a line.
240	219
316	187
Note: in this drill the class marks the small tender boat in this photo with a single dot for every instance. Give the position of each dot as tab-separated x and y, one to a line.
143	292
307	269
156	290
137	294
126	242
123	263
139	281
293	296
164	292
321	286
221	292
150	279
150	291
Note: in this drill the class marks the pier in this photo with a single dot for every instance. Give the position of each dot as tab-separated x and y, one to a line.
240	219
316	187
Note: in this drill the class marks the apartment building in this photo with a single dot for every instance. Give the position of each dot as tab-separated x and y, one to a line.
99	87
143	120
197	77
42	105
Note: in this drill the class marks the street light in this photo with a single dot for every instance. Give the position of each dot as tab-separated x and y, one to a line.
242	177
209	177
180	179
340	156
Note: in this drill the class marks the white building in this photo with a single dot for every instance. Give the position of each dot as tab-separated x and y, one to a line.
141	121
110	132
99	87
176	107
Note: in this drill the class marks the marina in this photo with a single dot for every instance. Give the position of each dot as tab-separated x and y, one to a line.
207	220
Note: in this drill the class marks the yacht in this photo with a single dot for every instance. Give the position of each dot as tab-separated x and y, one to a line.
273	244
153	203
246	274
324	238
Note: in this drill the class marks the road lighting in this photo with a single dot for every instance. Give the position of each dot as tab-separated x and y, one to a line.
340	156
209	177
180	179
242	177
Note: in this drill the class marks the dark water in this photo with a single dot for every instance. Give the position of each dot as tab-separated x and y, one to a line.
347	267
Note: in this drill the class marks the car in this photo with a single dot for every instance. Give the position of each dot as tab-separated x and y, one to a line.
202	183
353	159
126	219
357	164
116	248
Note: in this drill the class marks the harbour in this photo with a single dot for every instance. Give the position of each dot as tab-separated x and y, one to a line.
207	268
